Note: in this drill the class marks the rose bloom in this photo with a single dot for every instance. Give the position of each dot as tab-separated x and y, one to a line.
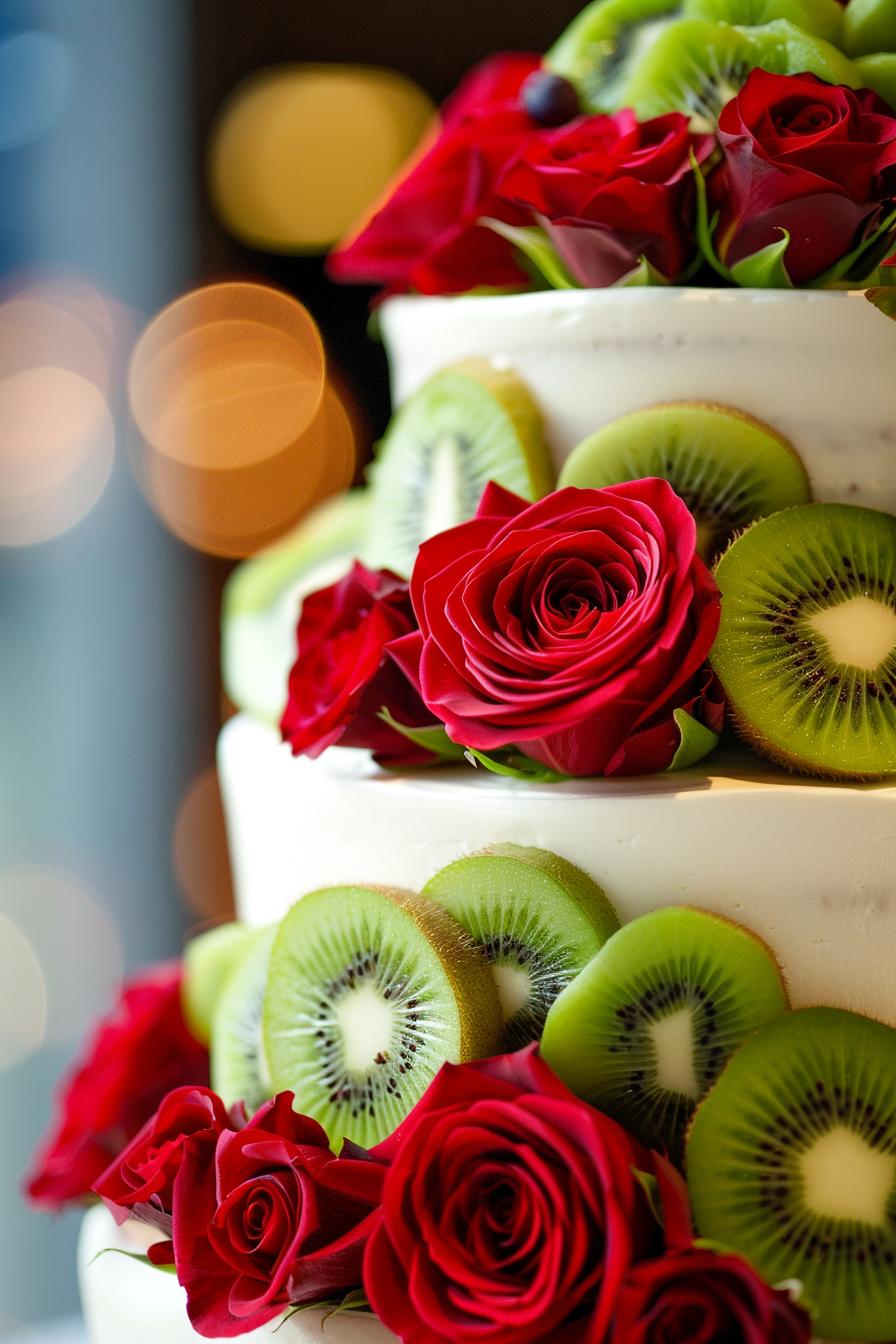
135	1056
566	627
695	1296
808	157
343	677
611	190
509	1208
267	1216
425	235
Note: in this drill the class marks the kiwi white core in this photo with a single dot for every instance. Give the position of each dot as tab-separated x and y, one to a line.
514	988
673	1041
444	501
365	1023
844	1177
859	632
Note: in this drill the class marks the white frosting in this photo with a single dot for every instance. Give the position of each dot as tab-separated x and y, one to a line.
807	866
126	1302
815	365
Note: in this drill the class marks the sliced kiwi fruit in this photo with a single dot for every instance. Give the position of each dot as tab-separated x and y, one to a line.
239	1069
469	425
208	961
263	599
539	920
869	27
879	73
604	43
647	1027
791	1162
371	991
806	649
821	18
727	467
697	67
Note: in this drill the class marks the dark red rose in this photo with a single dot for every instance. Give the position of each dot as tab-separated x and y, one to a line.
145	1171
565	627
426	236
611	190
697	1297
268	1217
509	1208
134	1057
343	677
808	157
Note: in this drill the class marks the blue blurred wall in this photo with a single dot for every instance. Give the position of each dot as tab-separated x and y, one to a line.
105	707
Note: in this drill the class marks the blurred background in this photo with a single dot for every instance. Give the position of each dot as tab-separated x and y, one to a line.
149	147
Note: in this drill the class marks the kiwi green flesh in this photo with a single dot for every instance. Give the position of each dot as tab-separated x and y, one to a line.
791	1161
878	72
239	1069
869	27
604	42
539	921
440	451
728	468
821	18
696	67
207	962
806	649
360	1012
644	1031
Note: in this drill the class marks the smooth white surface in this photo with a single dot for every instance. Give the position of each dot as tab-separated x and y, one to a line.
817	366
126	1302
809	867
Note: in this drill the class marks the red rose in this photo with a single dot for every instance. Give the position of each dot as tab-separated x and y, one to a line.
426	235
343	677
611	190
807	157
697	1297
145	1171
267	1217
510	1208
134	1058
564	627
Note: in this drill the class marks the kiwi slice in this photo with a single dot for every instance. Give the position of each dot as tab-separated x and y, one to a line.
646	1028
603	45
727	467
263	599
879	73
539	920
869	27
791	1162
239	1069
371	991
469	425
208	960
822	18
697	67
806	649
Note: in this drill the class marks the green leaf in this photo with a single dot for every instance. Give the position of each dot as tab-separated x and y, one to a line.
765	269
431	739
875	249
643	274
705	227
651	1187
884	298
696	742
356	1300
515	765
535	244
133	1255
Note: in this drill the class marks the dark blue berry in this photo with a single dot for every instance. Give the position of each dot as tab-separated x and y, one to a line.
550	99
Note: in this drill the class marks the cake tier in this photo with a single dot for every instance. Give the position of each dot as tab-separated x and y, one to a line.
816	366
808	866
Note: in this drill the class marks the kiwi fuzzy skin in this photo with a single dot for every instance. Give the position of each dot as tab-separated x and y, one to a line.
467	969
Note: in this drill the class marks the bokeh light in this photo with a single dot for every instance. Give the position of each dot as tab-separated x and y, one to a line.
70	938
58	348
23	997
36	77
301	151
240	433
199	849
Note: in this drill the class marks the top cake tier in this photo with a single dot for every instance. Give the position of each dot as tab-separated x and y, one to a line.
815	365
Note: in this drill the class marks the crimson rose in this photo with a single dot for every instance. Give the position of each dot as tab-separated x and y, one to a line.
267	1216
134	1057
611	190
343	677
509	1208
697	1297
426	235
808	157
566	627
